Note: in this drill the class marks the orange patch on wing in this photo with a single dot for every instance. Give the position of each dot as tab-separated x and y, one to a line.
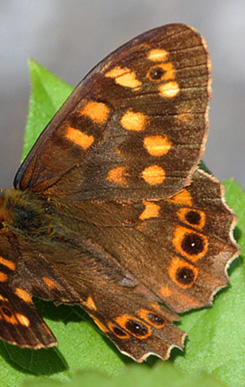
23	294
117	72
186	239
166	70
133	121
157	55
184	197
79	138
186	300
50	283
124	77
23	320
3	277
100	324
96	111
117	150
9	264
169	89
165	292
157	145
89	303
179	266
3	298
9	316
156	306
151	210
154	175
117	175
185	117
193	217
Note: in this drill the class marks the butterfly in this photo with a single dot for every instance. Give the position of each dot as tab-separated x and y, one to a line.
110	211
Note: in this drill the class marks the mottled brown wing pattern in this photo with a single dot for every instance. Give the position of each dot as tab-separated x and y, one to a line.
122	307
109	210
20	323
184	242
120	304
134	128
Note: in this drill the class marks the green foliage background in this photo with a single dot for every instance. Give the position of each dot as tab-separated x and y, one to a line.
214	353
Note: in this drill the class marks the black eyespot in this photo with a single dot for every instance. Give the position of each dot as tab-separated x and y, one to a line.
136	327
156	73
185	275
193	217
119	332
6	311
155	319
192	243
1	225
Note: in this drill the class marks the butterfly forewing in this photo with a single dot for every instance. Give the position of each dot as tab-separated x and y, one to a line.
134	128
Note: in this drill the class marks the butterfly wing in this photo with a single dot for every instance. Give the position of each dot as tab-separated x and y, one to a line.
121	259
115	165
134	128
179	248
122	307
19	321
175	250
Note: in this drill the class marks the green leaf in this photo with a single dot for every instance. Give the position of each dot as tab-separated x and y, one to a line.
48	94
163	374
216	335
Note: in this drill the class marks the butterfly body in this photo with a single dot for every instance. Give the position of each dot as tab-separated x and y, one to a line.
110	211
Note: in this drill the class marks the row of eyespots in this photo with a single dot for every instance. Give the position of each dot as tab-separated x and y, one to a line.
125	326
191	244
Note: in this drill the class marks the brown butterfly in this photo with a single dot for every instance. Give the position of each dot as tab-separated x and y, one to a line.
109	209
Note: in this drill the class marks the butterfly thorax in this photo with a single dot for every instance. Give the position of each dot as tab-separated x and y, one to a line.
27	212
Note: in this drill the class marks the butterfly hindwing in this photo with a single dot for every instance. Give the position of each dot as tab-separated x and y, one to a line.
122	307
184	242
